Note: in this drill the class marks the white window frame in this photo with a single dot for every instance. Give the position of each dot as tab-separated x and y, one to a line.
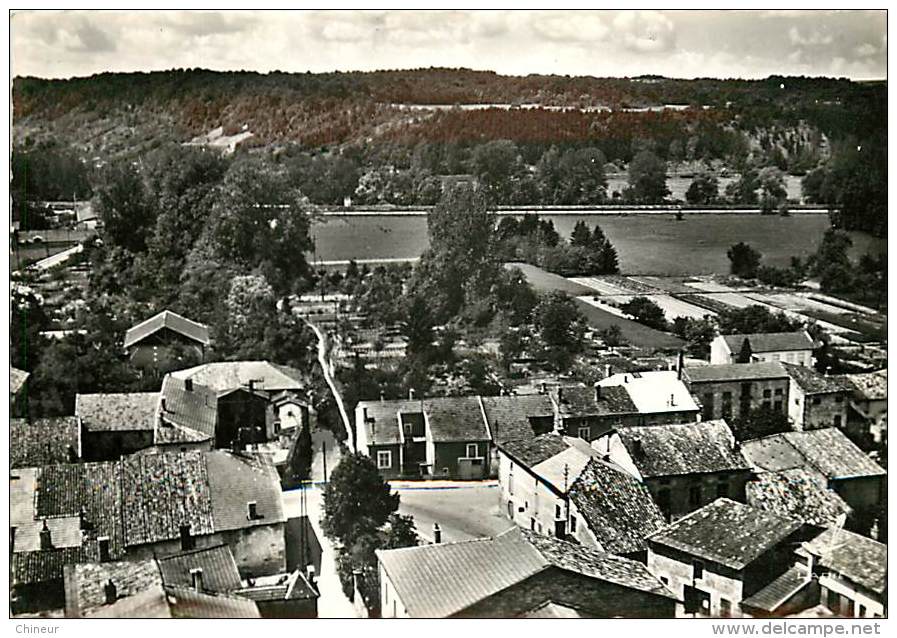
586	429
476	451
384	454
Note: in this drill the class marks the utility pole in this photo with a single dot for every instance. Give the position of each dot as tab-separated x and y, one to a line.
324	458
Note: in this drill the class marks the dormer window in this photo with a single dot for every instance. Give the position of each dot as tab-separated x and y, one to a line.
252	511
196	578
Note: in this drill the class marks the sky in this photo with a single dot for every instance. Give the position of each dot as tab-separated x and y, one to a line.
686	44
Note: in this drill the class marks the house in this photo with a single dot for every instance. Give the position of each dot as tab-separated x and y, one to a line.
445	437
282	595
817	400
797	493
187	417
659	396
855	477
684	465
722	554
18	392
559	486
45	441
116	424
786	347
512	574
141	507
87	218
264	376
516	417
730	391
852	572
867	420
165	341
587	413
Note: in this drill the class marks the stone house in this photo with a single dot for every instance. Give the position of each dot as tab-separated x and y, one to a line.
817	400
785	347
729	391
867	421
659	396
113	425
684	466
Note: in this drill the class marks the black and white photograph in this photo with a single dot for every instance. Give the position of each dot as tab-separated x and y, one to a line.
448	313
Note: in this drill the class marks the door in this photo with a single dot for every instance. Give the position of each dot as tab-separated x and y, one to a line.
697	602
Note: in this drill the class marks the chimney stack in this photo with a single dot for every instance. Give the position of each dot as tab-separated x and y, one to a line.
46	539
110	592
680	363
196	577
164	405
672	400
597	393
411	394
188	385
382	397
607	370
560	395
365	412
437	533
543	388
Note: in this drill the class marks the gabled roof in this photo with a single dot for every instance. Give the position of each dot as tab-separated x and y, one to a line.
685	448
531	452
579	401
812	382
294	586
735	372
160	601
509	416
195	410
17	379
235	479
132	411
382	426
219	569
557	460
827	451
872	386
441	580
654	392
770	341
726	532
617	508
857	558
551	609
167	320
456	419
224	376
797	493
85	583
43	441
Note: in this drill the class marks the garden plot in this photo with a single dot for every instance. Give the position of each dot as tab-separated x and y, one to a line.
709	286
601	286
796	302
673	308
665	284
605	303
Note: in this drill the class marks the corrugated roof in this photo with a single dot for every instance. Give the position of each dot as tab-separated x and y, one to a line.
812	382
236	479
860	559
617	508
224	376
735	372
654	392
771	597
195	410
578	401
43	441
770	341
172	321
684	448
17	379
827	451
509	416
132	411
219	569
726	532
872	386
798	493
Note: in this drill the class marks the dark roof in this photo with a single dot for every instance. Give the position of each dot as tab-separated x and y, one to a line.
797	493
770	342
172	321
617	508
726	532
531	452
382	426
117	412
771	597
177	602
219	569
456	419
43	441
551	609
872	386
85	583
812	382
225	376
294	586
735	372
236	479
827	451
193	410
685	448
436	581
17	379
578	401
42	566
509	416
860	559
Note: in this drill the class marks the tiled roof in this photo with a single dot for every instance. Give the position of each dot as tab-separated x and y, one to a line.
860	559
17	379
873	386
294	586
551	609
224	376
617	508
827	451
771	597
219	569
117	412
770	342
236	479
797	493
812	382
531	452
42	566
509	416
653	392
456	419
172	321
194	410
43	441
177	602
735	372
382	426
561	470
436	581
685	448
726	532
578	401
85	583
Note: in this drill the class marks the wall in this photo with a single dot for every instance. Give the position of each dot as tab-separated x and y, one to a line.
538	501
861	493
679	489
581	533
678	570
241	409
391	606
395	471
719	352
109	446
303	608
714	409
447	455
834	582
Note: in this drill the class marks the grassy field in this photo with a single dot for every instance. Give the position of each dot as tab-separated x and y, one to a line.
646	244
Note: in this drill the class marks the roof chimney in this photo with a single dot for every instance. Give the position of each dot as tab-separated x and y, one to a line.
46	539
382	397
110	591
543	388
437	533
672	400
196	579
411	394
560	395
597	393
680	363
188	385
637	448
607	370
625	378
164	406
365	412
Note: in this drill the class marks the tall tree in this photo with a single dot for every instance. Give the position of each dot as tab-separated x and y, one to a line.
704	189
648	178
125	206
743	260
560	326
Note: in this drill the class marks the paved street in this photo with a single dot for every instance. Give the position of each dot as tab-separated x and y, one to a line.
463	509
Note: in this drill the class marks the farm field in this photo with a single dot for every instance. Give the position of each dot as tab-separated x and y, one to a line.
634	332
646	244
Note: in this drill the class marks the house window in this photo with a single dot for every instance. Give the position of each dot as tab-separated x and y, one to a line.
767	393
816	400
837	420
722	489
777	406
707	407
663	502
532	523
584	432
104	549
196	579
767	405
384	459
699	569
252	511
665	580
511	510
776	357
187	540
573	524
694	496
725	608
862	613
473	450
778	392
557	512
511	480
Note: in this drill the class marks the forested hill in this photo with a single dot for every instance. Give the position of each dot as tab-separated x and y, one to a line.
113	113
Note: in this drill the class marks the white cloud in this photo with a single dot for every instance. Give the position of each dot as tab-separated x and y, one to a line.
814	38
865	50
645	31
571	26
